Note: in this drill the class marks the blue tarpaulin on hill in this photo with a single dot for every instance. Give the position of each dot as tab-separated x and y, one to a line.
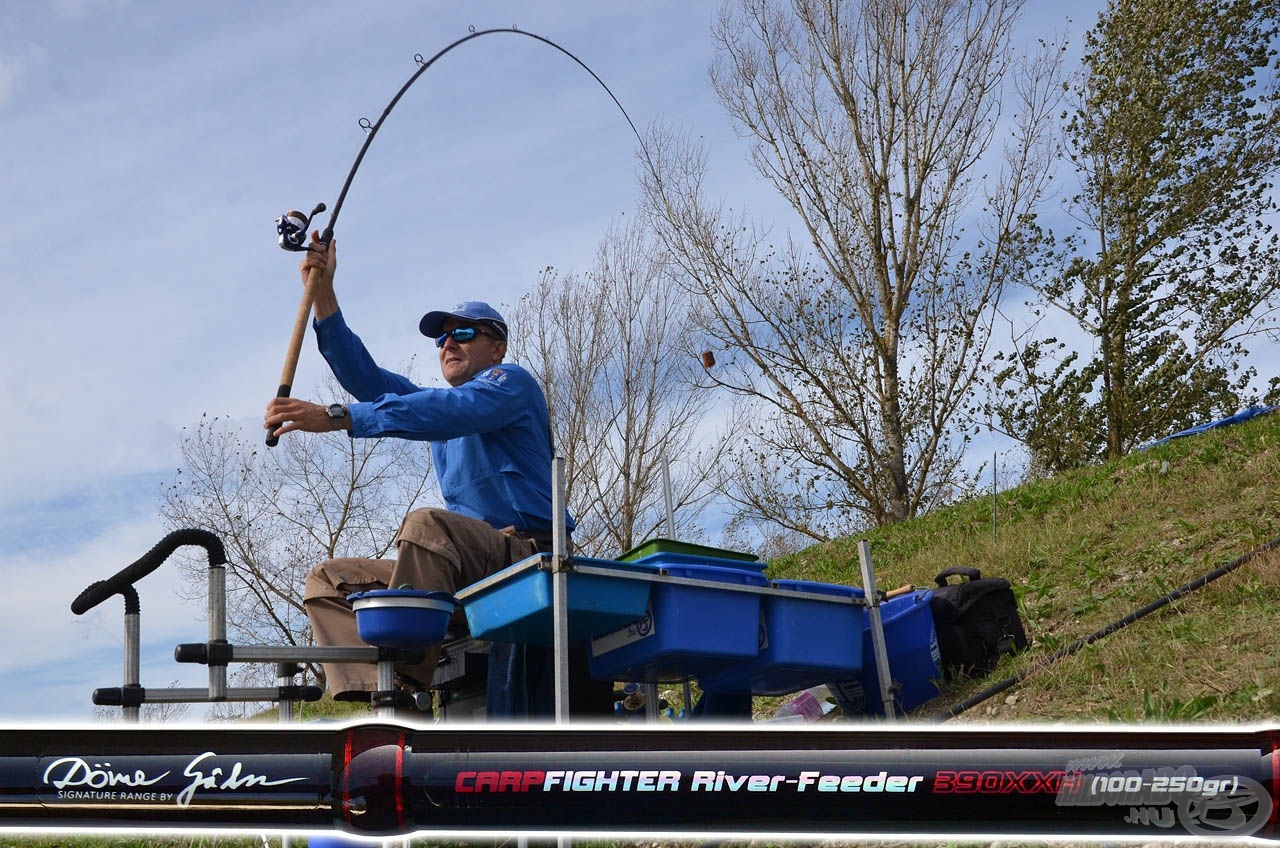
1242	415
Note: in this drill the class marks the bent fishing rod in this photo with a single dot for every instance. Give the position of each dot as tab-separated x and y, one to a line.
383	779
292	226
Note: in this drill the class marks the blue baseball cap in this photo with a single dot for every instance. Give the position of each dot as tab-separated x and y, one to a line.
470	311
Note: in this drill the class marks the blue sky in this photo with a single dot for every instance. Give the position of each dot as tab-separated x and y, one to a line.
145	150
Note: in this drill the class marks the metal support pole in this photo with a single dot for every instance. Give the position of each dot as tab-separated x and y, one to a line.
386	683
560	589
651	707
877	629
285	672
217	628
132	660
666	496
560	597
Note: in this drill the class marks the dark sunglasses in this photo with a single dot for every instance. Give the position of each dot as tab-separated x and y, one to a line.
461	335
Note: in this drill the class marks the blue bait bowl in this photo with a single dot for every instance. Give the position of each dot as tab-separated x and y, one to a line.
402	618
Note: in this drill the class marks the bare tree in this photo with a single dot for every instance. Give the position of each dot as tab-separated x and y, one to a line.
859	348
280	512
618	360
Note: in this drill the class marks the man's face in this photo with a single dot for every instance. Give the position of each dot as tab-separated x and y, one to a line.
460	361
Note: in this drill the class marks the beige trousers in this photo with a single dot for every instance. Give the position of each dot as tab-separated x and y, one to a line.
436	550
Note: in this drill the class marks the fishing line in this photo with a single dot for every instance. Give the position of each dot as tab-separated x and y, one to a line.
297	242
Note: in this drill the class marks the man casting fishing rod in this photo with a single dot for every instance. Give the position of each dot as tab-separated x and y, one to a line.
490	442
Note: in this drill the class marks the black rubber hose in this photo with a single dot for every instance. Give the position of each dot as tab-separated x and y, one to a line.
98	592
1184	589
132	603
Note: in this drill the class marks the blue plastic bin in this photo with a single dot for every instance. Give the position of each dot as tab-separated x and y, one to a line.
515	604
689	628
912	645
669	559
690	549
402	618
809	633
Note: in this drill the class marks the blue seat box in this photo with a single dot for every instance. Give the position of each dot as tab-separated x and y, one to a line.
912	645
809	633
515	604
700	618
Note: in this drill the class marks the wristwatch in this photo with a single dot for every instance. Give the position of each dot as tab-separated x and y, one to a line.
337	413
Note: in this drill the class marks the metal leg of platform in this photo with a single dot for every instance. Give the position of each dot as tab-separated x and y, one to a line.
651	707
132	660
386	683
559	599
217	629
560	589
285	672
877	630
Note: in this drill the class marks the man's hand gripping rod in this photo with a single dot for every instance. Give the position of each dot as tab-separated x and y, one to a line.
292	227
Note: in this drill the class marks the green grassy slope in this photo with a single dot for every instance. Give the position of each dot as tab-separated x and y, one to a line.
1086	548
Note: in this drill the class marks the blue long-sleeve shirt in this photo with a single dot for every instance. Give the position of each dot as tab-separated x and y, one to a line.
490	437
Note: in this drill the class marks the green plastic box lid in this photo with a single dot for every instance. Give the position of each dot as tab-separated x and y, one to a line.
670	546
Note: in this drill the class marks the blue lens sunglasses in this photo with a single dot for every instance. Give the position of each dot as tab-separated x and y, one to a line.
461	335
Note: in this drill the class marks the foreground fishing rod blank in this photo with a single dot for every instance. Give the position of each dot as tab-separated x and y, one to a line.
385	779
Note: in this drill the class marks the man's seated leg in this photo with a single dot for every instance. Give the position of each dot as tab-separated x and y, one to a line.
442	551
437	550
333	623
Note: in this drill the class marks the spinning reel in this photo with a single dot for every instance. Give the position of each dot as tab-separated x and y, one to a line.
292	228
